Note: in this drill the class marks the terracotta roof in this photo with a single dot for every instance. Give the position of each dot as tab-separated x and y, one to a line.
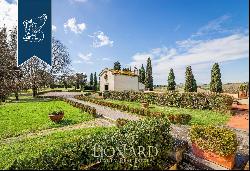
119	72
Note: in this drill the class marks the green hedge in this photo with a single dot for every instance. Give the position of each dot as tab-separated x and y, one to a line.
139	111
221	141
127	142
120	122
182	119
218	102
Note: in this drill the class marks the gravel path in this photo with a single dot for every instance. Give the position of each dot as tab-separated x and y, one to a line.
107	112
99	122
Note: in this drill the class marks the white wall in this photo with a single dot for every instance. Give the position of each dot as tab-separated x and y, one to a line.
109	81
124	82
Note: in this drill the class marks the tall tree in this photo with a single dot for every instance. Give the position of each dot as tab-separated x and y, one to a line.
117	65
149	76
36	71
190	83
9	73
95	82
142	74
91	81
216	84
171	80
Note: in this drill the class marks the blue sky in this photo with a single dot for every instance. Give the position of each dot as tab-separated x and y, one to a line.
174	33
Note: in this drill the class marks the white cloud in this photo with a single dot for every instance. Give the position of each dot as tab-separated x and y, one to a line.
100	39
200	55
217	26
8	14
77	61
72	25
86	58
106	59
53	28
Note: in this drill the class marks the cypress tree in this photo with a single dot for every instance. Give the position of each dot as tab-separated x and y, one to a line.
142	74
171	80
95	82
216	84
91	79
190	83
149	76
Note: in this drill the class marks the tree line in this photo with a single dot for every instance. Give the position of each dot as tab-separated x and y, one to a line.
190	81
146	77
34	74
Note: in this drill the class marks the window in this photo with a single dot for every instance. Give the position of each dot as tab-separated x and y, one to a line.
106	87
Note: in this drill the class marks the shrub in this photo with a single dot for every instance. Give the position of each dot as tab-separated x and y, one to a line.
182	119
218	102
221	141
128	139
120	122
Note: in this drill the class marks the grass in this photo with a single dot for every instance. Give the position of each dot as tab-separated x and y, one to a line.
30	115
200	117
31	147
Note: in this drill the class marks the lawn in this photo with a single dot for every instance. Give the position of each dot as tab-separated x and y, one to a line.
201	117
31	147
30	115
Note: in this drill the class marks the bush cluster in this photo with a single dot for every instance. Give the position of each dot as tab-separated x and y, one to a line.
221	141
182	119
123	149
213	101
120	122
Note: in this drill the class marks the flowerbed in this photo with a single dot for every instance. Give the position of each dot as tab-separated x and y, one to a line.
221	141
122	147
218	102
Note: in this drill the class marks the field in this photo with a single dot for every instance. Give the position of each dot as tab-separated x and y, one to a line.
201	117
31	115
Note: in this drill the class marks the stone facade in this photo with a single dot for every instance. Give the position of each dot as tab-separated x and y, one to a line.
111	80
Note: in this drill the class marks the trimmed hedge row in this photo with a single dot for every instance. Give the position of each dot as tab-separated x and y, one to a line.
182	119
218	102
139	111
119	149
82	107
175	119
221	141
120	122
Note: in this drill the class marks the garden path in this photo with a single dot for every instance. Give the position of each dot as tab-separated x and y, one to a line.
106	112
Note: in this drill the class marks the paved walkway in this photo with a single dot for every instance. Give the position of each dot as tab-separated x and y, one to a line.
107	112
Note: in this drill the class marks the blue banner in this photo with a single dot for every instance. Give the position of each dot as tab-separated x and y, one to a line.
34	30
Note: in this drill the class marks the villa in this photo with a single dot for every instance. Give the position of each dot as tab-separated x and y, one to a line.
117	80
